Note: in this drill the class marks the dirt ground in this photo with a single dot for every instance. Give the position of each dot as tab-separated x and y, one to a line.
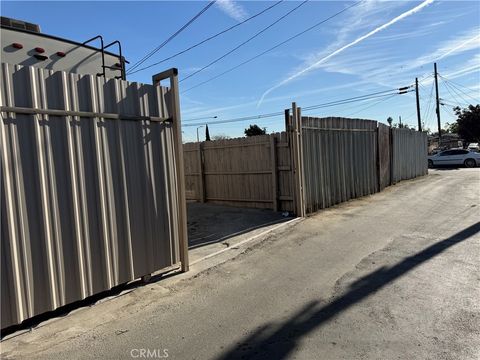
209	223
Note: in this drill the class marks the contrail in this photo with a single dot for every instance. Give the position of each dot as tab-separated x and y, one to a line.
458	47
361	38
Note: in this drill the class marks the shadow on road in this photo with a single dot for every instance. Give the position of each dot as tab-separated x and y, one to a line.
446	167
278	341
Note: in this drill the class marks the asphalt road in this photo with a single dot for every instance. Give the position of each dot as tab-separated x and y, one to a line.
391	276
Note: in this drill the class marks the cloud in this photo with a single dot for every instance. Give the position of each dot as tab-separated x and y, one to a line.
249	104
465	41
233	9
322	60
471	66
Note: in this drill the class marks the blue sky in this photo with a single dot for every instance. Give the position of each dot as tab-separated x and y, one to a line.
337	60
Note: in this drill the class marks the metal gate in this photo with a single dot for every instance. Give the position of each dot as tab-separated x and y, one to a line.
92	189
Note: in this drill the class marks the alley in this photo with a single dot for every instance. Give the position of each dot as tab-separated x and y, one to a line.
390	276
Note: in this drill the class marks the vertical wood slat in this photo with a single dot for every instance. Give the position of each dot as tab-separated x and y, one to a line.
201	176
409	154
244	172
273	160
340	160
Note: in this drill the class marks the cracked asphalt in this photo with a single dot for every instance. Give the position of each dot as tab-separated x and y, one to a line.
392	276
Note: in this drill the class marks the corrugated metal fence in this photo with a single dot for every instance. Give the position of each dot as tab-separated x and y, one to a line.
90	192
409	154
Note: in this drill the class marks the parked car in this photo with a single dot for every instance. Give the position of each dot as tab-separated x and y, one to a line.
454	157
473	147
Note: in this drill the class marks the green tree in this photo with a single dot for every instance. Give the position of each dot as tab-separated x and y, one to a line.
451	128
389	120
220	137
255	130
401	126
468	123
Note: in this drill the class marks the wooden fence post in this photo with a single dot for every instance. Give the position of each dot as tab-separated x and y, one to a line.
301	174
273	152
201	174
379	175
297	162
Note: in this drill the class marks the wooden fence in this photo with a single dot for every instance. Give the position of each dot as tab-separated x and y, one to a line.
348	158
247	172
315	164
340	160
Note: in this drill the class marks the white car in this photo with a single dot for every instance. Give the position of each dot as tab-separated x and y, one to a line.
454	157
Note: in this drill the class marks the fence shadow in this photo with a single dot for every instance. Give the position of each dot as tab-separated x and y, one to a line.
209	223
278	341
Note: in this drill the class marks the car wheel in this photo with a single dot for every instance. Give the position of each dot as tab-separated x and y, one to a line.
430	163
470	163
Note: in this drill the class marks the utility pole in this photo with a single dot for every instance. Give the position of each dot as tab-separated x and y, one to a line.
418	106
198	139
438	104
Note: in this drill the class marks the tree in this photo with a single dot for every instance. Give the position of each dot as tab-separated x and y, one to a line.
255	130
468	123
207	133
451	128
220	137
401	126
389	120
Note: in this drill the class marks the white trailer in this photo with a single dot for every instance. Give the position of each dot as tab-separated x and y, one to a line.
24	44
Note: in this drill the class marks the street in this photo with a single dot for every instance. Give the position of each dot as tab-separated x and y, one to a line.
395	275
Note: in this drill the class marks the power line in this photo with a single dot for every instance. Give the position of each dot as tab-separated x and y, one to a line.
254	117
372	105
151	53
273	47
458	84
244	42
447	86
207	39
454	97
448	112
427	110
202	118
357	98
313	107
451	84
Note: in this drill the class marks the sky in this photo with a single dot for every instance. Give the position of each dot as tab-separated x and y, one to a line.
373	46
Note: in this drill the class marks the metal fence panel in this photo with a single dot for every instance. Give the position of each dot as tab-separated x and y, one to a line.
340	160
409	154
87	203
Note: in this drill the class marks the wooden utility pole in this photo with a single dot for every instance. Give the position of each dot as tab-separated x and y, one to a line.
418	105
438	104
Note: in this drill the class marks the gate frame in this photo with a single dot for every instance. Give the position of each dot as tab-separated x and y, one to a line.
172	75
